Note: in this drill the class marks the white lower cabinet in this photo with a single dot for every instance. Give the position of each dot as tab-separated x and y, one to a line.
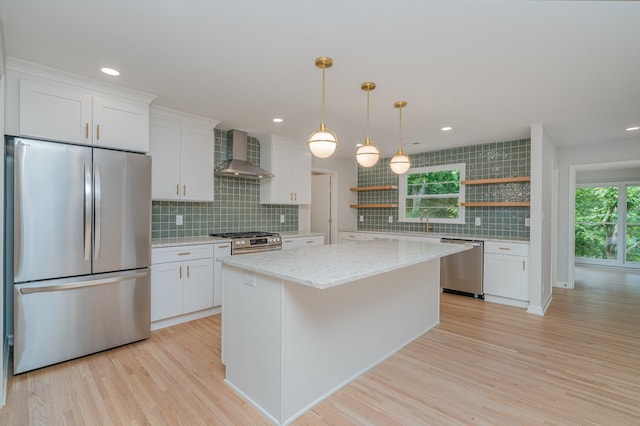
182	283
506	273
299	242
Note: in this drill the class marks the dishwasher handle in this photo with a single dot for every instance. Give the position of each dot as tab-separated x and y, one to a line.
473	243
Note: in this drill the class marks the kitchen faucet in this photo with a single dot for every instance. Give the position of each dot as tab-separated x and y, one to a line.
425	213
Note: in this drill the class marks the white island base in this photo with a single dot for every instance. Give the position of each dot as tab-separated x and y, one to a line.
287	346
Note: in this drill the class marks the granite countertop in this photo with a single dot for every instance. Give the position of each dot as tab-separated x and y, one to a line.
332	265
187	241
437	235
206	239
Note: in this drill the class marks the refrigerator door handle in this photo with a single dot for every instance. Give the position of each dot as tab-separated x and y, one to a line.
98	207
82	284
87	211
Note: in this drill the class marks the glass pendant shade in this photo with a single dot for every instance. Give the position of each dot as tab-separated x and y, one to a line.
400	163
323	142
367	155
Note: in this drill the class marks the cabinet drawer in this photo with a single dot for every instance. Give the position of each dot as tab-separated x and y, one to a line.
513	249
180	253
355	236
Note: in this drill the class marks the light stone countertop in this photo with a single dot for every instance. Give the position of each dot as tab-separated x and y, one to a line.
436	235
187	241
332	265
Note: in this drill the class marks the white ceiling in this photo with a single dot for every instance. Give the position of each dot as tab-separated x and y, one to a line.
489	69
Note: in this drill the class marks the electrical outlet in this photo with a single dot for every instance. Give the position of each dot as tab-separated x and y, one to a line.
179	219
281	218
390	219
361	218
478	221
527	221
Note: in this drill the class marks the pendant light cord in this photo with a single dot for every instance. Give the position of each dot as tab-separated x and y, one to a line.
322	125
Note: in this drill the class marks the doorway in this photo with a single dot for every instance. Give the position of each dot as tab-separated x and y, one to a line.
324	205
603	175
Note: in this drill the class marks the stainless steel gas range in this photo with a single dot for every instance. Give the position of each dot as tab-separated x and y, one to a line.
252	242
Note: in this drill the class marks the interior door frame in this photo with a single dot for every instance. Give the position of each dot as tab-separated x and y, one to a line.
333	229
573	170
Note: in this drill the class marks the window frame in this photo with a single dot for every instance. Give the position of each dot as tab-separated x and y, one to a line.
402	193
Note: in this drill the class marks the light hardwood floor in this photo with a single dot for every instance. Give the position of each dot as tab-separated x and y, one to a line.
484	364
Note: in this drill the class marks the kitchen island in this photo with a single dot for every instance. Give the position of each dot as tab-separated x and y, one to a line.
299	324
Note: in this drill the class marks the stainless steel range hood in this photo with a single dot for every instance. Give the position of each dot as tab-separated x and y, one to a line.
238	166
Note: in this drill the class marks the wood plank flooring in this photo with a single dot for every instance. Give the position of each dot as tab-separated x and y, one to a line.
485	364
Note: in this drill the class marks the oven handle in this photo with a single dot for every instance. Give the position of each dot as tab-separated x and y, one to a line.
247	250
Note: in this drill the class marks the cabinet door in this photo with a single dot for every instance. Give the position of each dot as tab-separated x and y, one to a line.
164	147
301	176
196	163
282	189
506	276
198	284
166	290
308	241
56	113
120	124
219	250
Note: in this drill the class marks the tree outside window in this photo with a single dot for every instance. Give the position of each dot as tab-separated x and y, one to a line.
434	191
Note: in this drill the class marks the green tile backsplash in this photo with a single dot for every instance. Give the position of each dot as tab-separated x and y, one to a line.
236	205
492	160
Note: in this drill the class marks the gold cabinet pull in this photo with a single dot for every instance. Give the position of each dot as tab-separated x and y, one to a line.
184	253
177	189
184	189
504	248
523	265
223	247
181	272
86	130
188	271
97	132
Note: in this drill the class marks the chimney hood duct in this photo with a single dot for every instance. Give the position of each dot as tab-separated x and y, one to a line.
238	166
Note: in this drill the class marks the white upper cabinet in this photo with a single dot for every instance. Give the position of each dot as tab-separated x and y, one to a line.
290	162
182	149
54	111
54	105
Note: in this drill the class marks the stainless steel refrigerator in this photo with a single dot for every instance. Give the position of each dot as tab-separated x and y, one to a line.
81	250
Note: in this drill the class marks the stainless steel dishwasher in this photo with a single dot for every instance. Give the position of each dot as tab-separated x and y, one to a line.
462	272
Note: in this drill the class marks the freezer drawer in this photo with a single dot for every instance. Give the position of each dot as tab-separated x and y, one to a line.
58	320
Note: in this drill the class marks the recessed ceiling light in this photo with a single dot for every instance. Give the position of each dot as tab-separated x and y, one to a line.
633	128
110	71
277	120
446	129
358	145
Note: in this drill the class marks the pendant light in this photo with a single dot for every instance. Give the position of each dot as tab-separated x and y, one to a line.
400	163
367	155
323	142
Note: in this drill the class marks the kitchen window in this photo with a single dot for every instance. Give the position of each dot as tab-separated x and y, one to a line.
434	191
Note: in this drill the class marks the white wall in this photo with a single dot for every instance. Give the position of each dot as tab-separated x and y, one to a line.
543	217
347	177
605	152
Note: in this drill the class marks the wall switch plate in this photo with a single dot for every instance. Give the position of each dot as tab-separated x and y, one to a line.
527	221
361	218
249	279
478	221
179	219
390	219
281	218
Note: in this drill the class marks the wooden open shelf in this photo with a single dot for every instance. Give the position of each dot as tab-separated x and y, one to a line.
374	188
497	204
372	206
497	180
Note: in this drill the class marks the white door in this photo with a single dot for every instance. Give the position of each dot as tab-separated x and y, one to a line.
321	206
